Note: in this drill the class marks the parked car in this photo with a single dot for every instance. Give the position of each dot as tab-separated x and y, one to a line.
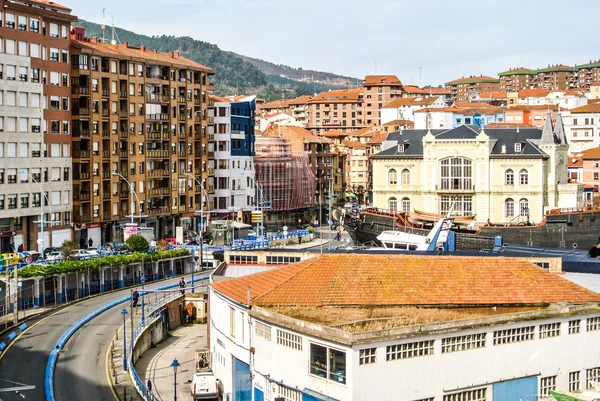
171	241
80	254
48	251
56	256
93	252
115	247
204	386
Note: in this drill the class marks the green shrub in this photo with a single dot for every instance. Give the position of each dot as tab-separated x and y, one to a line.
137	243
311	229
68	247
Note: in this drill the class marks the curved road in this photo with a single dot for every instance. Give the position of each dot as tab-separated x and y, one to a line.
81	368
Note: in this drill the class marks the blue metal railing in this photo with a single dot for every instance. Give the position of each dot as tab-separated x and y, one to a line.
53	358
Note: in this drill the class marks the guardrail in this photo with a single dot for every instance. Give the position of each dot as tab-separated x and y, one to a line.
53	358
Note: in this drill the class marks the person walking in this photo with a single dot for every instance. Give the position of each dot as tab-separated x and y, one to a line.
182	285
135	296
90	243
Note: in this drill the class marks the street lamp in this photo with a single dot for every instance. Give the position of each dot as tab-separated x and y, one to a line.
175	364
132	189
42	196
124	313
143	280
233	209
201	225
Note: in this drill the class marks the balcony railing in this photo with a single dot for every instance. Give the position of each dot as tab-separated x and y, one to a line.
81	154
106	215
158	116
157	173
124	154
158	210
106	154
158	135
159	191
158	154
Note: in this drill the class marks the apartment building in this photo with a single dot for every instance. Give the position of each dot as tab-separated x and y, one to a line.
380	90
358	172
463	89
582	126
143	127
234	157
337	109
299	109
35	176
553	77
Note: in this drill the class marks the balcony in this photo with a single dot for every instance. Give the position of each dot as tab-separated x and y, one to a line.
123	135
106	216
123	114
124	194
105	93
106	134
157	173
182	155
106	195
105	113
84	218
81	196
211	120
81	154
158	154
106	154
182	136
158	117
124	155
158	191
106	175
80	111
80	90
182	208
181	99
84	133
181	117
158	136
123	94
158	210
211	171
197	171
197	119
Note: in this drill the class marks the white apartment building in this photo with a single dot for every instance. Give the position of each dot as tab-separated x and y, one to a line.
27	164
582	125
396	327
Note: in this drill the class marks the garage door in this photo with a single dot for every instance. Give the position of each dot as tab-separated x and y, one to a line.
524	389
60	236
242	386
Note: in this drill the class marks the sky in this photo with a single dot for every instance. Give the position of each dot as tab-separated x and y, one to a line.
422	42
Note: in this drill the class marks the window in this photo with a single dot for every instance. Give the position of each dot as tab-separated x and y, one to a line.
509	207
10	20
392	204
392	177
289	340
549	330
367	356
463	343
592	375
34	25
53	54
24	149
11	72
509	177
574	381
456	174
53	30
593	323
463	204
232	322
22	48
409	350
11	174
524	177
34	50
517	147
406	205
24	201
518	334
575	326
524	207
468	395
10	46
328	363
405	177
263	330
547	384
12	201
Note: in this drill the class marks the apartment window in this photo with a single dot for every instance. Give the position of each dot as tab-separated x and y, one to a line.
405	175
22	48
574	381
12	201
64	33
54	78
468	395
53	30
575	326
524	177
592	375
328	363
392	177
367	356
289	340
35	75
11	175
463	343
23	177
263	330
34	50
34	25
593	323
10	20
409	350
53	54
24	201
547	384
231	321
549	330
11	72
24	150
518	334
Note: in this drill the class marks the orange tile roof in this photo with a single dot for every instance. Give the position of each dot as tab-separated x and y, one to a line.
533	93
575	162
577	92
334	133
51	4
276	104
469	104
338	96
437	91
297	136
593	153
405	280
300	100
378	139
126	51
398	102
413	89
408	123
354	144
381	80
493	95
427	101
588	108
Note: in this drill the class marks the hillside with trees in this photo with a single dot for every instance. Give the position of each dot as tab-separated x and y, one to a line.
235	74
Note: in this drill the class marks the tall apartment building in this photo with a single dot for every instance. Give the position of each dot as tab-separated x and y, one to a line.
337	109
554	77
463	88
147	117
35	117
234	156
379	90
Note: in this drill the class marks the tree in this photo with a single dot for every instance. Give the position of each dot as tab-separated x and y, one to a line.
137	243
68	247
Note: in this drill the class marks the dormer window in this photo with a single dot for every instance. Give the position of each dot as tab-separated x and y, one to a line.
400	148
517	147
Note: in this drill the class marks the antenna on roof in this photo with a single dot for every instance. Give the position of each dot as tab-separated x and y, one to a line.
420	76
114	32
103	27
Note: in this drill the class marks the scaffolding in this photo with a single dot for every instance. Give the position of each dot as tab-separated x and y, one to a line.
286	177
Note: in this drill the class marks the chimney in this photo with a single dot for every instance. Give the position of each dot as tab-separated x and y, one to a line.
176	54
171	54
78	33
143	48
126	45
503	150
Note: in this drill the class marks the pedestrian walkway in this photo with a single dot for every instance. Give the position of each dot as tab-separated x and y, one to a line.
155	365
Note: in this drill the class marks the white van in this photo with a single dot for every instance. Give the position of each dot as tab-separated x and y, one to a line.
204	386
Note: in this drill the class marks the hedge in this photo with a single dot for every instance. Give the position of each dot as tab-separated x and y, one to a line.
73	266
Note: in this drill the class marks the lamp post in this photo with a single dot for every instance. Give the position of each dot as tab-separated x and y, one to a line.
175	364
262	207
233	209
124	313
42	196
132	189
143	280
201	225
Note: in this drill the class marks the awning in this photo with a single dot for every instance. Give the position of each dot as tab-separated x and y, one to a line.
311	395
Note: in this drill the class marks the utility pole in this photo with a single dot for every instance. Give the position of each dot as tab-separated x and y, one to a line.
330	201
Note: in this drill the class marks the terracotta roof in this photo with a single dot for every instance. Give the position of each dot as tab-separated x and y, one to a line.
593	101
378	139
354	144
334	133
362	131
575	162
407	123
338	96
297	136
527	107
405	280
576	92
588	108
300	100
437	91
534	93
381	80
413	89
493	95
49	3
398	102
470	104
276	104
593	153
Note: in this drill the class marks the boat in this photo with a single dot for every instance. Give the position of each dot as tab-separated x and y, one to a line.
562	228
408	241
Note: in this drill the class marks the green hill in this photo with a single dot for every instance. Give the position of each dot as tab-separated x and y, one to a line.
235	75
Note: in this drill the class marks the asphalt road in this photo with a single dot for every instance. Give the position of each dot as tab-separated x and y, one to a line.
80	372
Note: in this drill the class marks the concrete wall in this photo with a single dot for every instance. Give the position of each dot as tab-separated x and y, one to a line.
154	334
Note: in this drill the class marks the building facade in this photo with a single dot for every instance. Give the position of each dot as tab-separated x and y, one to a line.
582	125
498	175
379	90
463	89
36	116
142	125
337	109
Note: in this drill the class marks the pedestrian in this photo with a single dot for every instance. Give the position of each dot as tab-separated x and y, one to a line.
149	385
182	285
338	236
135	296
90	243
82	242
12	247
20	249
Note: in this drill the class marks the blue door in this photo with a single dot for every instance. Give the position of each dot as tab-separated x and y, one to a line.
516	390
258	395
242	388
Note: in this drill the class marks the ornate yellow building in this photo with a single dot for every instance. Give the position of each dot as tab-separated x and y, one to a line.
498	175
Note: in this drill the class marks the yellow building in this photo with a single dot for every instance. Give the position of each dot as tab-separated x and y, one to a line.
498	175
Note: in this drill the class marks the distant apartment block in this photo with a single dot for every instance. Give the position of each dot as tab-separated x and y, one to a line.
463	89
553	77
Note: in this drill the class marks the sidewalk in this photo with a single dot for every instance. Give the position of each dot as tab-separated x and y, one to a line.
155	365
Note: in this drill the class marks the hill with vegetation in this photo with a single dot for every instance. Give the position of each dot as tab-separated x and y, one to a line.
235	74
